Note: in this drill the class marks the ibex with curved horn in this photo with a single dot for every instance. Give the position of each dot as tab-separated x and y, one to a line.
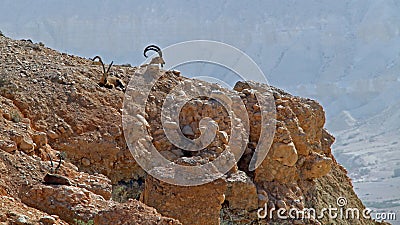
53	177
105	80
155	60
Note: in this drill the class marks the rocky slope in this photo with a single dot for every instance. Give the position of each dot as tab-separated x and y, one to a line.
52	107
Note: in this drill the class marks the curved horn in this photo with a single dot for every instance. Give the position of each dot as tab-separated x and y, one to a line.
101	61
51	163
59	162
154	48
109	67
149	49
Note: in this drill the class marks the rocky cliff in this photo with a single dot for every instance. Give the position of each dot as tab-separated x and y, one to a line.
52	107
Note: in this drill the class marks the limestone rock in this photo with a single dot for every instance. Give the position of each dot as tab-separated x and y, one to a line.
48	220
40	139
66	201
8	146
52	134
187	130
272	170
22	220
316	166
190	205
96	183
27	145
223	136
241	192
132	212
262	200
85	162
284	153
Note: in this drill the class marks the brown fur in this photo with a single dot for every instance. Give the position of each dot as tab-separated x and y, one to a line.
56	179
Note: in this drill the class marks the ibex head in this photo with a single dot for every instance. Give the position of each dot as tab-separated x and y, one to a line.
155	60
103	79
52	170
54	178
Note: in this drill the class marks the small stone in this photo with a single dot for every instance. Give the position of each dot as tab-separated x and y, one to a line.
223	136
8	146
48	220
27	145
247	91
219	150
40	139
262	200
316	166
299	222
79	130
26	120
61	129
115	131
52	134
85	161
284	153
263	192
177	152
22	219
55	217
256	107
257	116
187	130
281	204
176	72
7	116
3	217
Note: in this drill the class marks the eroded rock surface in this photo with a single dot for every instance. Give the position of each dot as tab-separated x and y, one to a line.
200	204
51	104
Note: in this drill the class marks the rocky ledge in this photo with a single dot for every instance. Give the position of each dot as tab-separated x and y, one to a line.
52	107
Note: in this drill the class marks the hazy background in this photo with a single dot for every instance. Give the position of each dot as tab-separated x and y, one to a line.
345	54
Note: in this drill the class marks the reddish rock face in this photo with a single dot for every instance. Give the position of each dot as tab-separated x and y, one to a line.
52	103
132	212
191	205
74	204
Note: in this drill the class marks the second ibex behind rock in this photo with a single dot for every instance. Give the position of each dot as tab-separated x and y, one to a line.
106	80
156	60
54	178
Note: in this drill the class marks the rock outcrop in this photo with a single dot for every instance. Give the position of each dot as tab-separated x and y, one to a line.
52	105
199	204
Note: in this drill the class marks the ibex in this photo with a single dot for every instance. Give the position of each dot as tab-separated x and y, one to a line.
53	177
105	80
155	60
